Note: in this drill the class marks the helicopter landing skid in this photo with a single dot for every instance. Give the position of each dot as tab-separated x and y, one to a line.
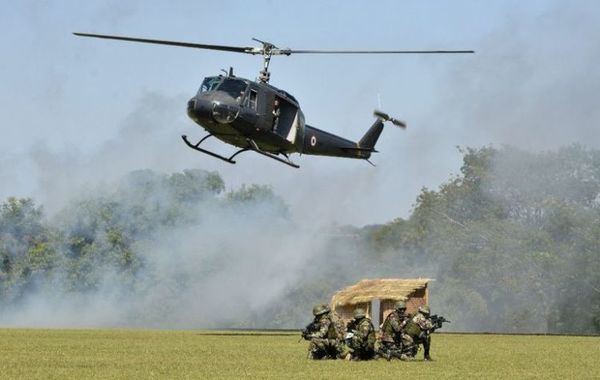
251	146
197	147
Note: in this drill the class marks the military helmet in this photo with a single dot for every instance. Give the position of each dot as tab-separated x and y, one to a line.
424	309
359	313
320	309
400	305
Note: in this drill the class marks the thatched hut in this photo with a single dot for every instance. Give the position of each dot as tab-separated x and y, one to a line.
378	297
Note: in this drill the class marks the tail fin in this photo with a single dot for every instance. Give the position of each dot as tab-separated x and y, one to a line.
370	138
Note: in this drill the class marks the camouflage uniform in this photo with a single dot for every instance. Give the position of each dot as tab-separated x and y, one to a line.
362	340
327	335
418	330
392	331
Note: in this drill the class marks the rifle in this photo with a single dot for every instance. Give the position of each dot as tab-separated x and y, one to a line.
350	332
309	329
438	321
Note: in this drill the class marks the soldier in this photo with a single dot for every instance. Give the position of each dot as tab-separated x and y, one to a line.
419	331
392	337
276	113
326	335
361	336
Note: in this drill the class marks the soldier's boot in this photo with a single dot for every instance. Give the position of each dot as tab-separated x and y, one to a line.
314	350
383	353
345	352
315	353
426	356
387	354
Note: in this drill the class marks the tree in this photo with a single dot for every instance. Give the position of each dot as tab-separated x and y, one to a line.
27	247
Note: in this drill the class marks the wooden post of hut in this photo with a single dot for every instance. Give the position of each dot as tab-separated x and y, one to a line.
366	293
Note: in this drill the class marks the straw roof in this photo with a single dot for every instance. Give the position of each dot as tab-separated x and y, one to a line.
389	289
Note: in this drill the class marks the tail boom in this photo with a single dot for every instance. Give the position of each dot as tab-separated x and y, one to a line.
318	142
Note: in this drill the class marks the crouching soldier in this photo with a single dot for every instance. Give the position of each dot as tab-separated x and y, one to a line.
361	336
326	335
418	331
393	338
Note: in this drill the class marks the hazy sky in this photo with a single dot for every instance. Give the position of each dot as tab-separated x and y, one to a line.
78	111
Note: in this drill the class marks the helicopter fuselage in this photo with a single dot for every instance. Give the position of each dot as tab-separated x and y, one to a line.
236	110
255	116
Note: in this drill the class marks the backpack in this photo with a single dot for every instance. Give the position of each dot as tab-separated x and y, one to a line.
371	337
339	328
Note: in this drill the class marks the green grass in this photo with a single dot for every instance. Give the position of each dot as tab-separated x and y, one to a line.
141	354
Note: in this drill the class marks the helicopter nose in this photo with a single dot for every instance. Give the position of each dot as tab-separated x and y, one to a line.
225	113
192	109
199	109
191	104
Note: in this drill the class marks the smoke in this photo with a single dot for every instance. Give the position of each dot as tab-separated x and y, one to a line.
213	272
210	263
146	139
532	83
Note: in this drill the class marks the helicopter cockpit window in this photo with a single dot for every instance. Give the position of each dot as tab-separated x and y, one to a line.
234	87
209	84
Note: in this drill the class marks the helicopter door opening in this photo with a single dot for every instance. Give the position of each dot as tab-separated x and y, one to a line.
286	123
252	99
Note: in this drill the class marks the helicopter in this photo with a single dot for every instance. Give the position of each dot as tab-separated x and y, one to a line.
253	115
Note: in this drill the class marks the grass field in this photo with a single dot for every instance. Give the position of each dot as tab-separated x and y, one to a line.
142	354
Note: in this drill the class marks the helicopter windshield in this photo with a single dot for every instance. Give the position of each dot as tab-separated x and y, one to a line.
234	87
210	83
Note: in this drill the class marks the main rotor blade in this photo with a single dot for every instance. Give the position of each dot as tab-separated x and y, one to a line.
290	51
236	49
267	47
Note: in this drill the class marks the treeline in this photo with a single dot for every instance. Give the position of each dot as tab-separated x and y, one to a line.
513	242
106	235
515	239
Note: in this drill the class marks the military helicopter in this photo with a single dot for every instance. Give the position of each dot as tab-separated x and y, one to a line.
256	116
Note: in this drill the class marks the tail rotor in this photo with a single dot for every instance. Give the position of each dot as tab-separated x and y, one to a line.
385	117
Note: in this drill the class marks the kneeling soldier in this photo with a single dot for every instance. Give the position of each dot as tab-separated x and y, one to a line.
326	334
419	330
361	336
392	332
